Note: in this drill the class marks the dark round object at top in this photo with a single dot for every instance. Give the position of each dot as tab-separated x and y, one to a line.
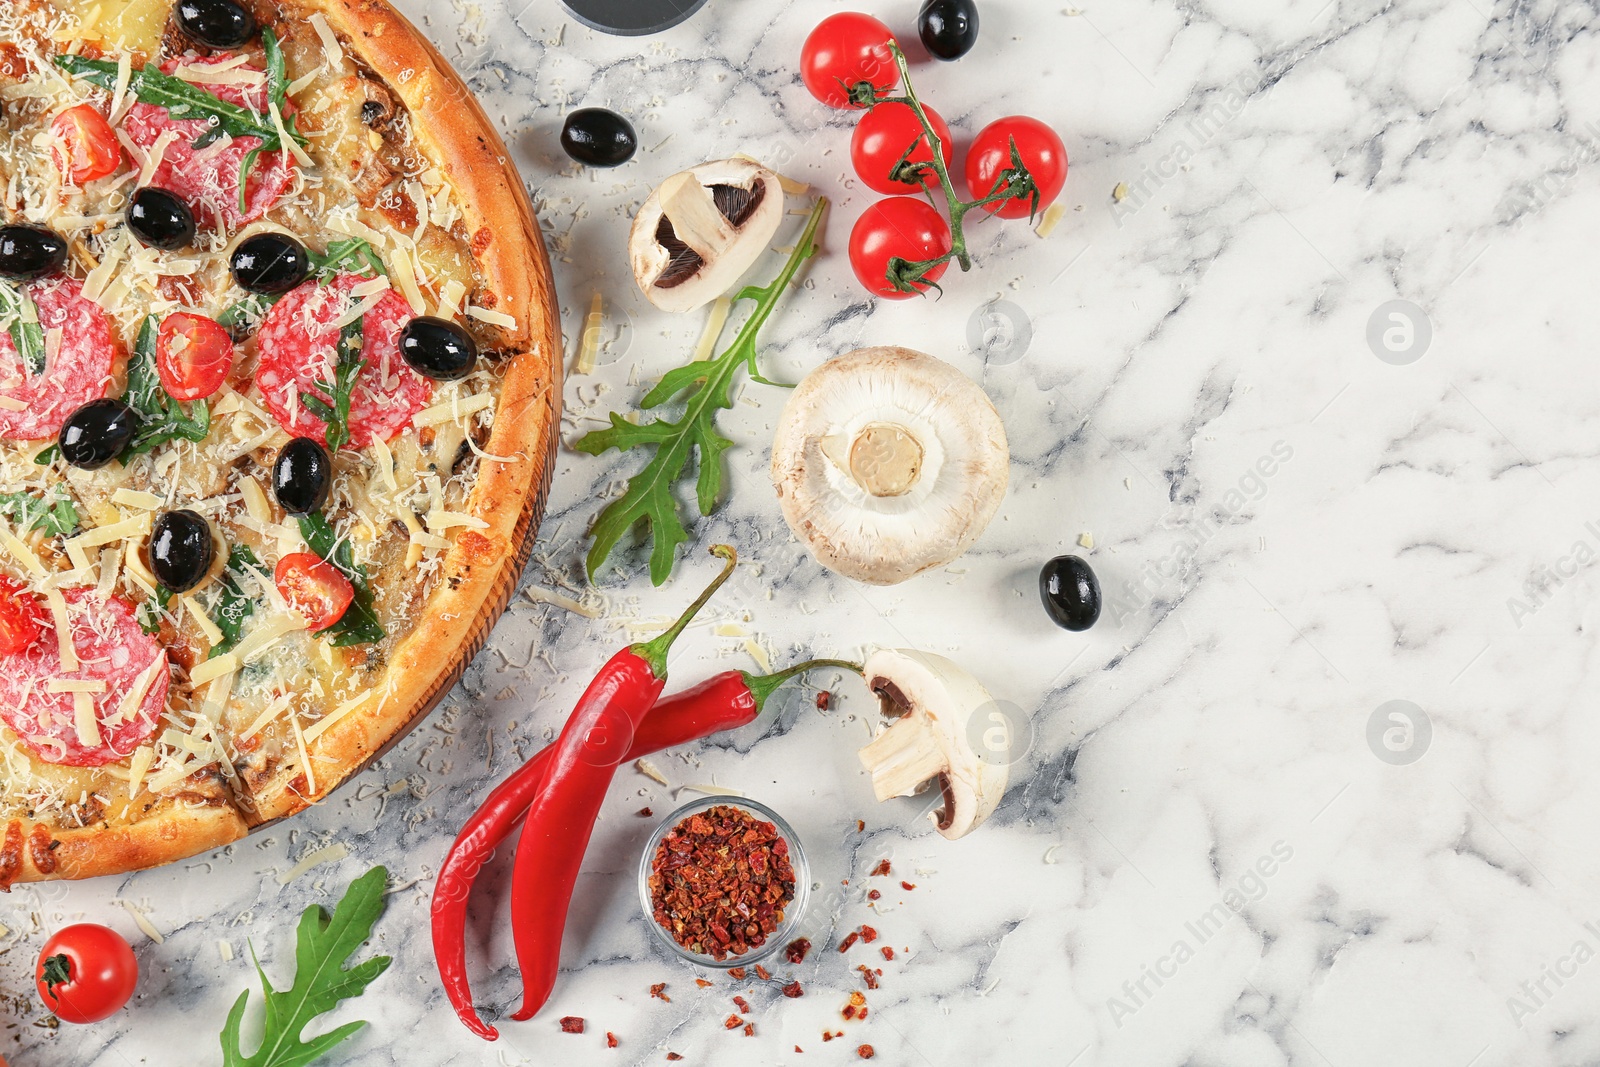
1071	593
181	549
216	23
269	263
438	348
597	137
160	219
631	18
28	252
301	476
948	28
96	433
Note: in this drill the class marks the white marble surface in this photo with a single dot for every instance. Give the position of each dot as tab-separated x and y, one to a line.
1426	913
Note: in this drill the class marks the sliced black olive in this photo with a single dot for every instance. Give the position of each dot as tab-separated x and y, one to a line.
28	252
438	348
216	23
948	28
160	219
1071	593
302	476
96	433
270	263
181	549
599	138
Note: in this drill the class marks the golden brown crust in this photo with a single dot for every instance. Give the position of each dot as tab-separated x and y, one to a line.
180	827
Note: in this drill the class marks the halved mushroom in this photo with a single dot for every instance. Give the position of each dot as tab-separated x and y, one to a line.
701	230
940	732
888	462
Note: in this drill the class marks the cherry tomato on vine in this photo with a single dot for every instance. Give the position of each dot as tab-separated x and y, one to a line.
902	227
314	587
1042	153
882	137
86	973
193	355
843	51
20	617
85	147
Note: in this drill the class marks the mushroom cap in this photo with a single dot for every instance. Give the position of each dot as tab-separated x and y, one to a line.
947	734
729	248
888	462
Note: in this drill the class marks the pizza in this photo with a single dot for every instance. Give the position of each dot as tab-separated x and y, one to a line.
279	376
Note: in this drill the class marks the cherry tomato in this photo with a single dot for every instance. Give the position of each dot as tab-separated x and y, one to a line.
843	51
86	973
20	617
91	149
314	587
1042	153
193	355
902	227
882	137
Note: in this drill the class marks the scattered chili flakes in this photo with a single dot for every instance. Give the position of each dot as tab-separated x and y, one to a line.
824	700
749	1029
849	939
868	977
793	990
868	935
744	1005
763	974
701	982
611	1039
797	949
571	1024
888	953
673	1056
865	1052
873	894
881	870
659	990
733	1022
720	880
797	1048
829	1037
736	973
861	826
645	813
908	886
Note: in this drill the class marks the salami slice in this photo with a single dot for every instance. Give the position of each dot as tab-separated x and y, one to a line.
112	650
208	179
297	342
76	372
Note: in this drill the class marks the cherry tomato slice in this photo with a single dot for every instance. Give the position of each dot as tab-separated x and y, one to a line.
882	137
85	147
842	52
902	227
1041	151
193	355
86	973
314	587
20	617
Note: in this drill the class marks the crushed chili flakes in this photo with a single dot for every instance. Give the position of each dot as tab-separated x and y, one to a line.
660	990
908	886
888	953
797	949
744	1005
868	977
701	982
865	1052
611	1039
763	974
733	1022
797	1048
645	813
571	1024
673	1056
749	1029
793	990
829	1037
868	935
873	894
720	880
881	870
861	825
824	700
849	939
737	973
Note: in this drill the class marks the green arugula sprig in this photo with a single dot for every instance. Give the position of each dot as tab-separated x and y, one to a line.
55	514
333	407
323	945
649	496
359	624
351	254
161	418
234	607
27	336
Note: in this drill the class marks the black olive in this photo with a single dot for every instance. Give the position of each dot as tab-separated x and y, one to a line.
373	113
599	138
1071	593
160	219
438	348
216	23
96	433
270	263
28	252
181	550
302	476
948	28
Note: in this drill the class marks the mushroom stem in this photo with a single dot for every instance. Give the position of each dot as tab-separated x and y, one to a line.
903	757
694	216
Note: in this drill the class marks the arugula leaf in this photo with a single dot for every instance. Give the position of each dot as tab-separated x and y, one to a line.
28	337
148	617
242	316
323	945
55	514
351	254
277	80
234	607
359	624
161	418
182	100
335	410
47	455
708	385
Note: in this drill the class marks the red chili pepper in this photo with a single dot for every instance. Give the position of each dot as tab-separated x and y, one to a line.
723	702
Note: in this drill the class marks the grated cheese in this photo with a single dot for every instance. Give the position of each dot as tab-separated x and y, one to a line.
452	410
449	520
135	498
714	324
154	158
322	725
1052	218
493	318
138	767
58	608
202	621
333	54
305	761
84	721
75	685
137	526
326	854
284	139
21	552
134	697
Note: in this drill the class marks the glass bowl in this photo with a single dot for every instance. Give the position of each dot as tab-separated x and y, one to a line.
791	912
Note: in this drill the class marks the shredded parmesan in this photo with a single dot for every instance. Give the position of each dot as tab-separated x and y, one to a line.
322	725
452	410
327	854
58	608
84	722
75	685
202	621
135	498
493	318
714	324
1052	218
138	767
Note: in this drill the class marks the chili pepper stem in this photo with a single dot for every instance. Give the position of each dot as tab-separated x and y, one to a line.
654	651
763	686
